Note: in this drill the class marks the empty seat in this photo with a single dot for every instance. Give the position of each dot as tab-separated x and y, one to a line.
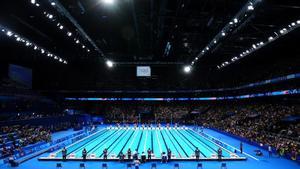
199	165
58	165
81	165
223	166
176	166
153	165
104	165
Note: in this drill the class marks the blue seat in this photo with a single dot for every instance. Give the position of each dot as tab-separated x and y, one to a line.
81	165
58	165
176	165
153	165
199	165
104	165
129	165
223	166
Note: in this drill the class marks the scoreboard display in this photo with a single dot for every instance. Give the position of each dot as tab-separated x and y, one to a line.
143	71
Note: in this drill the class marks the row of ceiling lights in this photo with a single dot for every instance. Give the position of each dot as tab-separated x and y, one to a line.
60	26
235	22
260	44
32	45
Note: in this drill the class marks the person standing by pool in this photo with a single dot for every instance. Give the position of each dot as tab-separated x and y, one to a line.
164	157
270	151
64	153
143	157
149	152
129	153
135	155
219	154
84	154
121	156
197	153
241	147
105	154
169	154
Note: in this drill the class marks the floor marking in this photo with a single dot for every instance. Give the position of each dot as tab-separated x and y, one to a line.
80	140
233	147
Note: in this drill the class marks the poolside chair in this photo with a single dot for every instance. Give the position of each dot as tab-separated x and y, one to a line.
81	166
58	165
223	166
153	165
199	165
176	166
129	165
104	165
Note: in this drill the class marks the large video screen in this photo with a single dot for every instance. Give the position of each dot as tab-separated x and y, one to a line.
20	75
143	71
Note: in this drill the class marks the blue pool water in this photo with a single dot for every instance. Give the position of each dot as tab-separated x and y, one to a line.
182	142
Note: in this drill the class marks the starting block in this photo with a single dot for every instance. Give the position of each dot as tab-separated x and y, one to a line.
52	155
93	156
72	156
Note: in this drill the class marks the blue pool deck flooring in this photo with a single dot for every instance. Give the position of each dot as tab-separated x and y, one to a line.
264	162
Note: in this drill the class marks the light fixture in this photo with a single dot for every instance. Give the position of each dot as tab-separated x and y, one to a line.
9	33
69	33
187	69
109	63
250	8
270	38
52	3
61	27
235	20
32	1
223	33
108	1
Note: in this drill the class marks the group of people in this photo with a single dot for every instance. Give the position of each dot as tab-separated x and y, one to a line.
257	123
165	156
14	138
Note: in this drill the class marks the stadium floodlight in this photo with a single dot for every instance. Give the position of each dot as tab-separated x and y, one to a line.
235	20
109	63
32	1
53	3
270	38
69	33
187	69
109	2
61	27
250	8
9	33
223	33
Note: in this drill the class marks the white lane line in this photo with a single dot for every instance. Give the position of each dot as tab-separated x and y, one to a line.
117	141
133	138
80	140
146	141
158	141
211	142
233	147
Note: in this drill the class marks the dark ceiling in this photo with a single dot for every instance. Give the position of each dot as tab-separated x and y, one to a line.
137	32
